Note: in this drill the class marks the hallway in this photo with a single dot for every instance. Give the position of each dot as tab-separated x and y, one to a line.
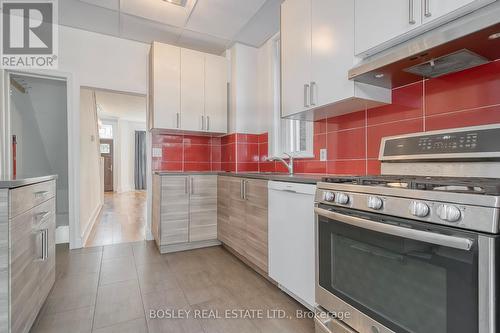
122	219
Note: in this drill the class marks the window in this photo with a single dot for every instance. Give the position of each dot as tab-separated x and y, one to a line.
287	136
105	131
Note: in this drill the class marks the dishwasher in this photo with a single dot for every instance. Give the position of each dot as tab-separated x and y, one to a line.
291	239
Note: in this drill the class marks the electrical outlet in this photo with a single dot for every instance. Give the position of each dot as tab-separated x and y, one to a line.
157	152
322	154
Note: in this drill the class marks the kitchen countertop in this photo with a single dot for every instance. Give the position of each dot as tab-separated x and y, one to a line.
284	177
7	182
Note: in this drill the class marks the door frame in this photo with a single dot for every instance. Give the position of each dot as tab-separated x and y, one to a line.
111	143
63	234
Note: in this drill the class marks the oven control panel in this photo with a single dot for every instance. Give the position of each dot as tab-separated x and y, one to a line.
459	215
465	143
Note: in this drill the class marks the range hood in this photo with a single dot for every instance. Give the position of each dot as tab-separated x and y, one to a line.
464	43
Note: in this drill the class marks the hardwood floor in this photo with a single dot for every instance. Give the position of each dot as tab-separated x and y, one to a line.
113	289
122	219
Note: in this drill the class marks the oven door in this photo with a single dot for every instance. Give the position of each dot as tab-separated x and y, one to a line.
396	275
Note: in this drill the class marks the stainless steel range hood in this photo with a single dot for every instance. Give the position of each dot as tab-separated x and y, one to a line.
460	44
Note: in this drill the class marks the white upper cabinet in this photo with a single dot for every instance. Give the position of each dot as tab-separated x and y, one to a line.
165	86
381	24
378	21
295	55
435	9
317	51
192	90
188	90
215	94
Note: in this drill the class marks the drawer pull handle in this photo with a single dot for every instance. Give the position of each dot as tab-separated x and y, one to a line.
41	194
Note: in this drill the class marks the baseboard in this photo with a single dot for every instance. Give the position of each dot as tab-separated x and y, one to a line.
62	234
188	246
90	225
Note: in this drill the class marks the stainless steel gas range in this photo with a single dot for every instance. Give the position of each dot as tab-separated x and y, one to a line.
417	249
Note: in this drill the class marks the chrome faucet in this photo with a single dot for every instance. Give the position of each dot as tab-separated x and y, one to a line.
289	165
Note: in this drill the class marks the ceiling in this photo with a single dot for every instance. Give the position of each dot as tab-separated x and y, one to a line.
113	105
205	25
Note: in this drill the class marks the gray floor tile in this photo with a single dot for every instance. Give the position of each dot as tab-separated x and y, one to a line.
74	321
118	303
117	270
133	326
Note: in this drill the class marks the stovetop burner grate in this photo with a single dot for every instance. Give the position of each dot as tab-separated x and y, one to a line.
484	186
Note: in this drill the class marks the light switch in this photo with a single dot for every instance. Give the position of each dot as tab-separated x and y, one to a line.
157	152
322	154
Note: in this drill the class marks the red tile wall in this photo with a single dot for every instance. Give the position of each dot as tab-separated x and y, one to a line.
467	98
233	152
187	153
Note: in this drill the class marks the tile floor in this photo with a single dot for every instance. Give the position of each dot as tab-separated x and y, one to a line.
113	288
122	219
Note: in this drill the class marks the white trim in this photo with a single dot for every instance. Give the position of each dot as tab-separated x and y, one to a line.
73	114
90	225
62	234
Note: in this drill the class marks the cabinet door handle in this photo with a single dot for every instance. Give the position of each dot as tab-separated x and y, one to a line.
46	244
192	186
241	190
313	96
186	185
178	120
202	122
427	10
306	95
245	189
411	15
208	123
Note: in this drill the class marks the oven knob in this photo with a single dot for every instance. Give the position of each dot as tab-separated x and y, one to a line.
419	209
341	198
328	196
449	213
375	203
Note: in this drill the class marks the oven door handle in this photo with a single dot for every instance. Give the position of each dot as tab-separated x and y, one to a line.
418	235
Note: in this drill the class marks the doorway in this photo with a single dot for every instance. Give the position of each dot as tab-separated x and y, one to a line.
37	135
106	147
116	120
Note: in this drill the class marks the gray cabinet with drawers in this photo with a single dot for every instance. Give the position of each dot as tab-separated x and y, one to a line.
27	252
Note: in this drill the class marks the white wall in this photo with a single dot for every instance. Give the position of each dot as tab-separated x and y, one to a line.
39	119
127	130
91	187
102	61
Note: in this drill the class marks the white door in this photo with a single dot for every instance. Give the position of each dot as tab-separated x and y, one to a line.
434	9
295	56
379	21
192	90
166	85
332	51
215	94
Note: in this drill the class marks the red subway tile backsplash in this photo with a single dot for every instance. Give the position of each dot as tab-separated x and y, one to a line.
467	98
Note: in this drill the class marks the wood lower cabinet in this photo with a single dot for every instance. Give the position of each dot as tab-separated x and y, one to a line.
27	266
242	218
184	211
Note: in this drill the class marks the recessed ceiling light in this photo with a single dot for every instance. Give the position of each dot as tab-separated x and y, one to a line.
181	3
494	36
379	76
